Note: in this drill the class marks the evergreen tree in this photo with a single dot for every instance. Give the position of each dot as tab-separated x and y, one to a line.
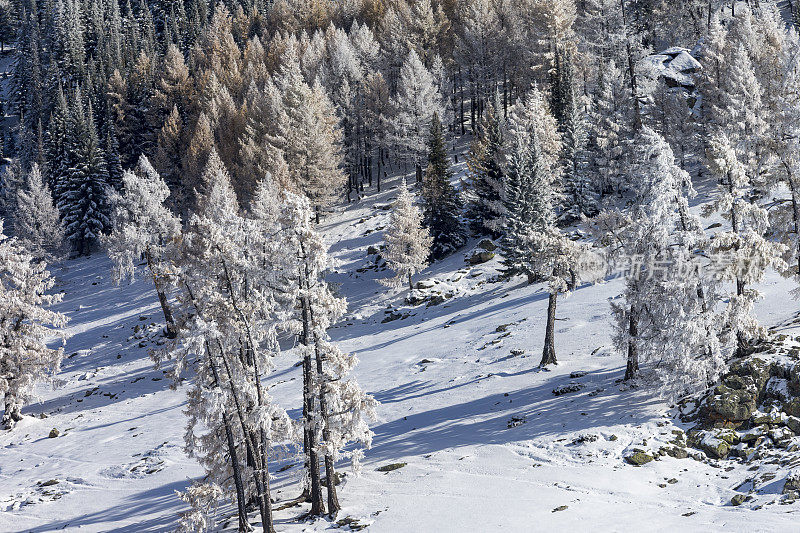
408	243
441	204
486	177
25	327
82	200
36	219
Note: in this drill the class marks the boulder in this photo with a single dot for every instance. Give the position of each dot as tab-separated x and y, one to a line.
479	257
639	458
714	446
793	423
425	284
792	482
729	404
372	250
488	245
739	499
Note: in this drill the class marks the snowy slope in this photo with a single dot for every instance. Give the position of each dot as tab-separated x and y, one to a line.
487	445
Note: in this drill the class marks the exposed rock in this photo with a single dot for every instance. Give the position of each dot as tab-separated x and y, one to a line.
54	433
739	499
372	250
568	388
488	245
792	482
639	458
480	257
425	284
732	405
391	467
793	423
561	508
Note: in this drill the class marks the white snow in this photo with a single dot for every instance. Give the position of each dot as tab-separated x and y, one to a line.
488	446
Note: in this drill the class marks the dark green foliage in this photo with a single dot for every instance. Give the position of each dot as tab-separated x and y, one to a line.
441	205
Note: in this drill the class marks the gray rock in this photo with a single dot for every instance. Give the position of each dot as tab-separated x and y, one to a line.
488	245
480	257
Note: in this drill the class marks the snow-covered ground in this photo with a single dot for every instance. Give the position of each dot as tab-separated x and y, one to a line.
486	444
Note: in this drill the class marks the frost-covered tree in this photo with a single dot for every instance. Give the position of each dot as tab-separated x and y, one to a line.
25	326
408	242
230	332
668	319
531	162
415	103
142	226
335	408
82	199
441	204
741	253
309	137
36	219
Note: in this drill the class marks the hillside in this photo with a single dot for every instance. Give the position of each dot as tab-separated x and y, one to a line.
485	442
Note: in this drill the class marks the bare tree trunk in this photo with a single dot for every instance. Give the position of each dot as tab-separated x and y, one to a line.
12	413
244	525
172	330
549	351
795	215
309	433
632	368
410	283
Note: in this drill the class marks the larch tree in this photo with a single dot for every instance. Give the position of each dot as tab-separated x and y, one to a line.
408	242
230	333
26	325
142	226
668	319
415	103
36	220
308	136
336	410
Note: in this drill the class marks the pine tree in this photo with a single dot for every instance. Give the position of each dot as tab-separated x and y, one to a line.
531	182
408	243
143	227
82	199
36	219
486	177
441	204
25	327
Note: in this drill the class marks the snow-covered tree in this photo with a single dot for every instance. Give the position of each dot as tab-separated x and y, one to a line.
142	226
668	319
82	199
36	220
415	103
25	326
308	136
335	408
531	189
230	332
408	242
486	179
